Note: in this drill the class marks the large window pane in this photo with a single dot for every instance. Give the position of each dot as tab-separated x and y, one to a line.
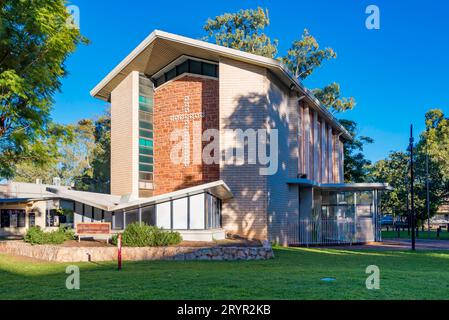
149	215
209	69
132	217
195	67
163	215
197	211
180	214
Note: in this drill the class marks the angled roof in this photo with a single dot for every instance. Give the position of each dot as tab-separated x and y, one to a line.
161	48
114	203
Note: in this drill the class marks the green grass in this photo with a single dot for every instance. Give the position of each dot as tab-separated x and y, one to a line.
294	274
444	235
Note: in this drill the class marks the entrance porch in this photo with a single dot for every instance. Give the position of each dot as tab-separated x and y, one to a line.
334	214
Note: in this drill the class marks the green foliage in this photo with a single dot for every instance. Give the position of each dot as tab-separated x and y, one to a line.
305	56
82	160
35	235
436	137
243	31
356	166
330	97
35	40
142	235
395	170
95	177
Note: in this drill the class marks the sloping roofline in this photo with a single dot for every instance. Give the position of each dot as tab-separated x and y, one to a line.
113	203
223	51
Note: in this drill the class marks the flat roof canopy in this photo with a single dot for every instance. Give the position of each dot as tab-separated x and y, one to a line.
341	186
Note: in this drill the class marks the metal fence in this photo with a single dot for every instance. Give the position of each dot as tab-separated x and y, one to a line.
322	232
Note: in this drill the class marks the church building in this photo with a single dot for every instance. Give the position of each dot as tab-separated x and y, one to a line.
212	141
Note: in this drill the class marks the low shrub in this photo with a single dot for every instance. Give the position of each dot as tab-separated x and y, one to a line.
35	235
142	235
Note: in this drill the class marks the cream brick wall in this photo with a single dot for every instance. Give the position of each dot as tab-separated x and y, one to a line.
243	105
125	137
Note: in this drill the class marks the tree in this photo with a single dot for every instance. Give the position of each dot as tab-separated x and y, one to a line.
243	31
305	56
97	178
35	40
395	170
83	161
436	137
331	98
356	166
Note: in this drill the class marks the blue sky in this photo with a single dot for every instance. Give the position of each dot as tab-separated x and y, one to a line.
396	73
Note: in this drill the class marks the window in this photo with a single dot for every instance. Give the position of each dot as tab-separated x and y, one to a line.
145	143
149	215
145	125
209	70
146	90
170	74
195	67
188	66
21	218
144	176
146	134
145	167
32	218
145	159
5	219
146	151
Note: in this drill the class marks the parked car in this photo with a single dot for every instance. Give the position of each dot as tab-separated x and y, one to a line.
387	220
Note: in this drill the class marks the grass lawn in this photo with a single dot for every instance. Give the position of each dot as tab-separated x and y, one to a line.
294	274
444	235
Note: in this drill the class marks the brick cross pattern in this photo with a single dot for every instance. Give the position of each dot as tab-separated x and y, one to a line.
186	117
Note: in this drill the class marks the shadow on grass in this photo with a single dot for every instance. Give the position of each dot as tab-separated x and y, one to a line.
295	273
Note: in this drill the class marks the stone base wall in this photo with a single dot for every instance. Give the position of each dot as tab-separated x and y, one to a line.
96	254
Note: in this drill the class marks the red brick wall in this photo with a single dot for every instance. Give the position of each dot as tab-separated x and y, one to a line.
168	101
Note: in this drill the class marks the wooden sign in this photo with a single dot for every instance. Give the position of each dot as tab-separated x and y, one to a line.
93	228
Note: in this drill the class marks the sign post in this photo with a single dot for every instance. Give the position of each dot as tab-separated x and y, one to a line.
119	246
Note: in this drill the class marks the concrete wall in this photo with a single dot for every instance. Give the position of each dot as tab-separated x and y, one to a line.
125	137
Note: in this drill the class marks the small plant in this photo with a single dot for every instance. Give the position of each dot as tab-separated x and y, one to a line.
143	235
35	235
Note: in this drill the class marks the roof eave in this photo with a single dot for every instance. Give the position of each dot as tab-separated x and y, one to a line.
224	51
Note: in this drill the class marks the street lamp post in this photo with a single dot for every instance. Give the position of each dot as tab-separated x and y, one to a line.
427	186
412	190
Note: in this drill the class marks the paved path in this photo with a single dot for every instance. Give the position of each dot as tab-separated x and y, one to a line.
400	244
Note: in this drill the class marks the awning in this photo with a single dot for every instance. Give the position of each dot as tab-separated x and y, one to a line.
340	186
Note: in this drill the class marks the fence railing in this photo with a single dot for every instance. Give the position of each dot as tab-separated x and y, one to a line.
322	232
